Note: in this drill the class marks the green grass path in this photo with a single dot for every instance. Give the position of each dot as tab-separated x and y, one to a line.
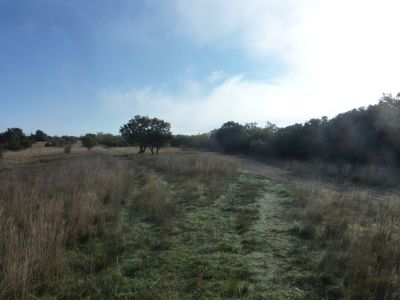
237	246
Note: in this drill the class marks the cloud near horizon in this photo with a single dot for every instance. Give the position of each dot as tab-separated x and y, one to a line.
337	55
195	63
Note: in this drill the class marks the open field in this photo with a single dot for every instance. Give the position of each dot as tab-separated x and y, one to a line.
112	224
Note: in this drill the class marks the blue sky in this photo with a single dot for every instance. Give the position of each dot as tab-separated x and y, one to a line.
71	67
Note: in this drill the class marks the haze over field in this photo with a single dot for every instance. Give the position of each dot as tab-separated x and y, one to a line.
70	67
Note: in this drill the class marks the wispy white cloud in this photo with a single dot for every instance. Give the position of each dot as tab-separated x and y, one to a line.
216	76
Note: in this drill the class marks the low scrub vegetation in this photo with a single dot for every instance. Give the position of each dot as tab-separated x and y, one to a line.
358	231
371	175
49	207
155	202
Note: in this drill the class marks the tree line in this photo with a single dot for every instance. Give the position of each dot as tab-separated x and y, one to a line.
142	131
364	135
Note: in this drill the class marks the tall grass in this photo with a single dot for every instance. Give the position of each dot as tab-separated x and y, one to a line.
368	174
46	208
211	170
155	202
361	233
188	175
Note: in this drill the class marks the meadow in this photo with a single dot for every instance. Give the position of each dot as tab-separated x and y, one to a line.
188	224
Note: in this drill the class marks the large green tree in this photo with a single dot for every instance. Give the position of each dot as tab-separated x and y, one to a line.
232	137
146	132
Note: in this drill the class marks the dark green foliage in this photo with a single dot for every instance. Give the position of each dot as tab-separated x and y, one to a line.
57	141
201	141
14	139
361	136
364	135
259	138
232	137
159	134
89	141
110	140
39	136
300	141
147	133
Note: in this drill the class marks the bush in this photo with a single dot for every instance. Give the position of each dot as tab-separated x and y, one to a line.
39	136
67	149
110	140
57	141
15	139
200	141
89	141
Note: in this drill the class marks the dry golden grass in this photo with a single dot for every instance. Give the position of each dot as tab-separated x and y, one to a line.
361	229
39	153
192	173
209	169
155	202
47	207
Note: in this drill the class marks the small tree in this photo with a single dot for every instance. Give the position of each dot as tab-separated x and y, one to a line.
89	141
39	136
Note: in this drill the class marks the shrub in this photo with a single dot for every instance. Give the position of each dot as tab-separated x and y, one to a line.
14	139
68	148
110	140
39	136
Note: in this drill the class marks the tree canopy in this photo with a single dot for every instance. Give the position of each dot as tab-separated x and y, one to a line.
146	132
14	139
89	141
364	135
39	136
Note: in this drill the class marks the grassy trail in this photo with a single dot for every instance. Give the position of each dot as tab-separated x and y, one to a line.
235	246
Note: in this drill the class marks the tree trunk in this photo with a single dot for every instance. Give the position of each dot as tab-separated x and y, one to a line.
151	149
158	148
142	149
